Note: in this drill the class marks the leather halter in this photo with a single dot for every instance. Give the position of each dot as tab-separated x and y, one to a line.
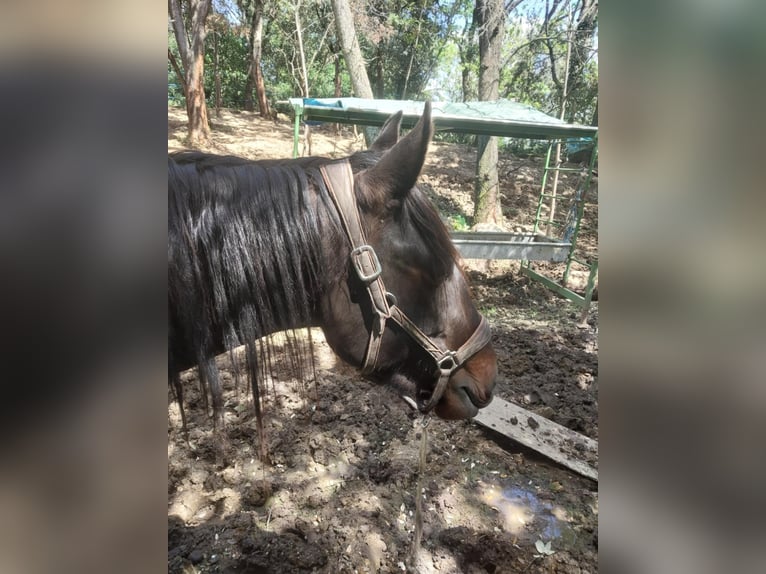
340	184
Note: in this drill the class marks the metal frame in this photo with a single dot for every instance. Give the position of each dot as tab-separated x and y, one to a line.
583	301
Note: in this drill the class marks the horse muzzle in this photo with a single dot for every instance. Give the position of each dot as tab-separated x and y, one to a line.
469	388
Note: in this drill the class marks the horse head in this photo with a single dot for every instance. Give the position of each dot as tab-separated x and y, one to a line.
403	307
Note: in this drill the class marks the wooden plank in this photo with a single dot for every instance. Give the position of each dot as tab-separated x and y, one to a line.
562	445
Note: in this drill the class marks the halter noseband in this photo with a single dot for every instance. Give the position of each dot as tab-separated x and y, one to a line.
340	184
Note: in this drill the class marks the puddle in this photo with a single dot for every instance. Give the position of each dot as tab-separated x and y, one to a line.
528	517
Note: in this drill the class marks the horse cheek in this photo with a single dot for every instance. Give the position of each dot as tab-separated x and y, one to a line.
341	323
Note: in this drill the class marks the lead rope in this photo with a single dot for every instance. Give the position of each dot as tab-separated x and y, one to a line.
424	422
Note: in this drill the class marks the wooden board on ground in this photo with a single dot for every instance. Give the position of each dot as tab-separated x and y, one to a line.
565	446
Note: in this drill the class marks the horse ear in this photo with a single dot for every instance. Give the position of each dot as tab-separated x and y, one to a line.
388	134
398	170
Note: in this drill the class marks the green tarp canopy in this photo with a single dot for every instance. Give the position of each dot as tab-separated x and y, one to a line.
503	118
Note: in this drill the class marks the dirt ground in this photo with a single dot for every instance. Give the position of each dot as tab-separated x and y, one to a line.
339	494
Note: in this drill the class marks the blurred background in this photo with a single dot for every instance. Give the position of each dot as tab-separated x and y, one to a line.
682	408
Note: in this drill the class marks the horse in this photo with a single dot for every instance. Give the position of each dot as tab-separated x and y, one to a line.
352	246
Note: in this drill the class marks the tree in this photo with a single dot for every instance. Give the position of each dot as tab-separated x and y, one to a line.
404	40
191	47
582	46
568	31
349	45
253	12
304	73
490	20
467	50
403	48
541	37
256	71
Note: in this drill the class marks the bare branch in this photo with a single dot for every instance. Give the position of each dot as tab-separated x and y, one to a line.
179	72
550	10
511	5
177	21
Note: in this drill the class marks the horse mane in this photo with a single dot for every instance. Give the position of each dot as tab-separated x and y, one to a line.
421	214
245	244
251	238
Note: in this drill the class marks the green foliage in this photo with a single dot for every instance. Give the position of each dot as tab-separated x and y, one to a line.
281	58
415	49
455	78
524	147
528	70
175	91
233	65
175	94
449	137
489	311
458	223
419	41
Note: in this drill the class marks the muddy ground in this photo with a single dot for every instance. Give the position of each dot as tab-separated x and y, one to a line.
338	494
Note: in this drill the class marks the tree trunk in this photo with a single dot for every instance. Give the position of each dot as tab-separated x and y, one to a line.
304	72
249	84
192	52
352	53
337	79
217	76
465	85
301	53
257	72
486	191
249	104
557	156
379	86
196	107
490	19
176	18
337	82
467	51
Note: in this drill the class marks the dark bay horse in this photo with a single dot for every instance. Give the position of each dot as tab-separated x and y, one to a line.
351	246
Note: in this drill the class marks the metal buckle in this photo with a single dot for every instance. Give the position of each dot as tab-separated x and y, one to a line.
449	362
355	259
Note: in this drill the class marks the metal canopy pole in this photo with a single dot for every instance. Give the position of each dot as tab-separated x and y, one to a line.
579	210
298	108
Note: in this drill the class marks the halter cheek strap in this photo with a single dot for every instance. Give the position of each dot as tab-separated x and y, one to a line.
339	181
340	184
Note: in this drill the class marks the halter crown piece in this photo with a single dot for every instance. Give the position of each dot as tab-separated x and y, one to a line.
340	184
